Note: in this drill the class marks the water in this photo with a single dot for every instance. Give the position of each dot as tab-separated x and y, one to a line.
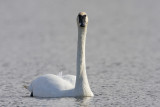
122	50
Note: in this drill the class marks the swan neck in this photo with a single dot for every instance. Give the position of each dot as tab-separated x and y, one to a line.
82	86
81	64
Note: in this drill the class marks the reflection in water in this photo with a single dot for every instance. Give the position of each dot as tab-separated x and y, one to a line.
83	101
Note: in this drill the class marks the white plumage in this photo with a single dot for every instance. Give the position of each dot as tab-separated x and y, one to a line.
50	85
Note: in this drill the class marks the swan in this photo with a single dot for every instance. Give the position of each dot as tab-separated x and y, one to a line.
51	85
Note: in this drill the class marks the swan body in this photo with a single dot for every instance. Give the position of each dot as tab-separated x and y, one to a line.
50	85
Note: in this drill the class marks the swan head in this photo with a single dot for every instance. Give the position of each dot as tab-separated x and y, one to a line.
82	19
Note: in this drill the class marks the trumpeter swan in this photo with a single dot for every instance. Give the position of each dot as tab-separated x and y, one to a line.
50	85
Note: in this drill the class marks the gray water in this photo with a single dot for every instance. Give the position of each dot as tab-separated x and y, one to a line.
122	50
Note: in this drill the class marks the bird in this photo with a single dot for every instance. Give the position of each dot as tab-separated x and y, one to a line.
53	86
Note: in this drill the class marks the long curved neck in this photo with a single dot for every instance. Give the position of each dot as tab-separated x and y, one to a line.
82	87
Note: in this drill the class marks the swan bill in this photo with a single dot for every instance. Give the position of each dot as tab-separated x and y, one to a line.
82	19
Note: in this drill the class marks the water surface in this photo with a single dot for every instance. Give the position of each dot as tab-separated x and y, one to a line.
122	50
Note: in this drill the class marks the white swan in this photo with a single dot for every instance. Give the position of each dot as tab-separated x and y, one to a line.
50	85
